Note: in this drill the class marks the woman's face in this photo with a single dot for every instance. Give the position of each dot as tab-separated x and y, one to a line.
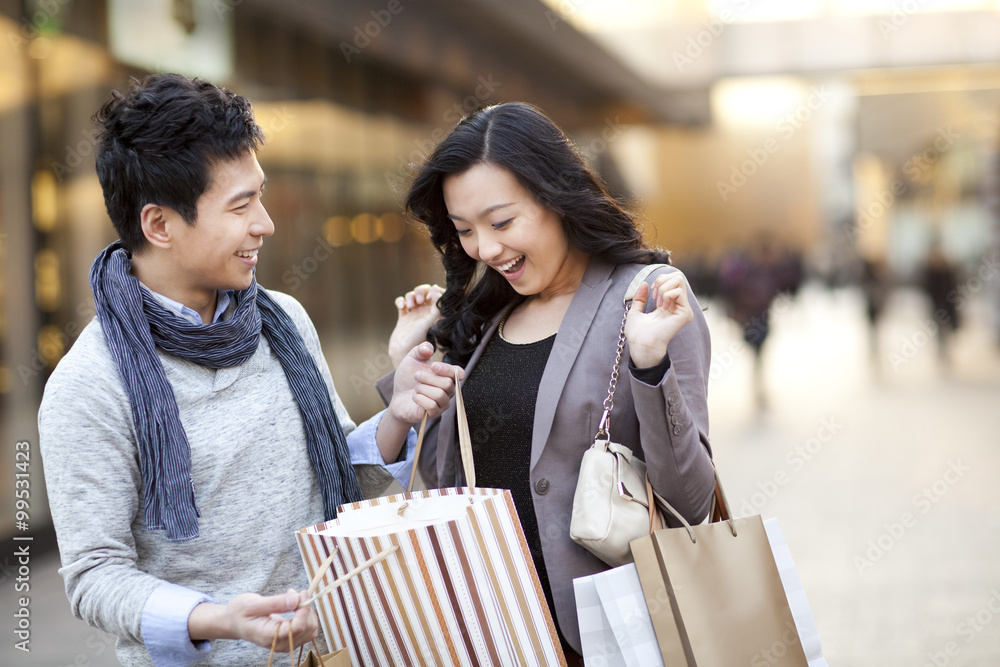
501	224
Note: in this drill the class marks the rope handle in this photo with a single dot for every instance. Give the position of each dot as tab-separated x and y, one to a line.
313	596
291	648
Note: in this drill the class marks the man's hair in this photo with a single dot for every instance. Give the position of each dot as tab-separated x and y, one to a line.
158	143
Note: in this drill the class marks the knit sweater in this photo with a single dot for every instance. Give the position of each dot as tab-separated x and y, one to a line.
254	486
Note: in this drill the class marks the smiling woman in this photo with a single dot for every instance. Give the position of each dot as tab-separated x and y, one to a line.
537	257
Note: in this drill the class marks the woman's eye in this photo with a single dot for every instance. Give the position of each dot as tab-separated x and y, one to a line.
502	224
463	232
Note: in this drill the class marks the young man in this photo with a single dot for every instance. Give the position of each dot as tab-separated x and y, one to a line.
194	425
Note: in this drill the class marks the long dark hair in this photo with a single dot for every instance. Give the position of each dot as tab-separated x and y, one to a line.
521	139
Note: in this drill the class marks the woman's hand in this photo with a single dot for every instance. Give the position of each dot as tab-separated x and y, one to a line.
416	313
649	333
420	386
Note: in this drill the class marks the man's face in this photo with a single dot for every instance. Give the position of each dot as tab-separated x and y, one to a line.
220	251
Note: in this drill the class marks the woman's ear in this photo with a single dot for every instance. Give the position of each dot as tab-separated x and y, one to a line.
155	224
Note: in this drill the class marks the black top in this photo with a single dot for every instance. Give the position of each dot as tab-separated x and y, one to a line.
500	396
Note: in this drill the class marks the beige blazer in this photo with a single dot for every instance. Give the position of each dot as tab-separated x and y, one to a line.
666	425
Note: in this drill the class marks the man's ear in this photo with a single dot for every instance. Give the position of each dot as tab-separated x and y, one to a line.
156	226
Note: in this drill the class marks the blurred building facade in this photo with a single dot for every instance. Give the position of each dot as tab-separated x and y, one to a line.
350	95
844	133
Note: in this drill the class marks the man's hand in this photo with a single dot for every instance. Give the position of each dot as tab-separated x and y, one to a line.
255	618
416	313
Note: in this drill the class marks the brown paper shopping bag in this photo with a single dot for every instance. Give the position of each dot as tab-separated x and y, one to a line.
314	658
714	594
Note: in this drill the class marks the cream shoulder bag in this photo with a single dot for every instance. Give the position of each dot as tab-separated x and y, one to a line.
611	506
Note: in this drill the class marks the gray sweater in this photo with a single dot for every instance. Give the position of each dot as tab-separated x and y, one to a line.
254	486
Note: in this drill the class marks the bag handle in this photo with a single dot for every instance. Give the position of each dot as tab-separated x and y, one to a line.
464	441
604	427
722	509
291	648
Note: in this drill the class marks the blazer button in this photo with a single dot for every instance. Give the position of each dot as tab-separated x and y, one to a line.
677	430
671	398
542	486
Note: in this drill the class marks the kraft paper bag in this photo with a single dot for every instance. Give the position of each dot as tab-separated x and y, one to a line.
459	589
715	595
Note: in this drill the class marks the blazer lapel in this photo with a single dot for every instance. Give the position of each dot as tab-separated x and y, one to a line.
569	339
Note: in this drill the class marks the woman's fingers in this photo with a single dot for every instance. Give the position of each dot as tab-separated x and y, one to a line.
418	296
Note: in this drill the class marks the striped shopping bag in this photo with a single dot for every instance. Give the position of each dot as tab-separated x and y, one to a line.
460	588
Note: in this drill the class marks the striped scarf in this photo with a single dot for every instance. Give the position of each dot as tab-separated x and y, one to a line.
134	324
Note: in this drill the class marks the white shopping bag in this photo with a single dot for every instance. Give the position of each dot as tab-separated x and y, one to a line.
801	614
615	628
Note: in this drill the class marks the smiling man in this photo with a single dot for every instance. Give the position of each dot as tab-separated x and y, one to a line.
194	425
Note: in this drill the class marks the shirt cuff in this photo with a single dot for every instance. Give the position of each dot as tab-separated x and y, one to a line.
364	449
654	374
165	626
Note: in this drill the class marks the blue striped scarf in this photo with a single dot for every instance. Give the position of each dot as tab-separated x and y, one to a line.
134	324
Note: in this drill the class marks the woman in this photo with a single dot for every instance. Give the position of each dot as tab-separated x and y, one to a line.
538	257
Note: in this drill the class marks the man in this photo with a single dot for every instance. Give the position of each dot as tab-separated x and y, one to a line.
194	425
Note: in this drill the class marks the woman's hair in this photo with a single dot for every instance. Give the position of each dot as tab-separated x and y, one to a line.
521	139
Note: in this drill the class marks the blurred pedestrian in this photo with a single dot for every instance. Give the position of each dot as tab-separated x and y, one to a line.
939	281
875	285
749	281
537	258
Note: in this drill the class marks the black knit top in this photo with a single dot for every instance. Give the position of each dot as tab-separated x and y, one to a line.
500	396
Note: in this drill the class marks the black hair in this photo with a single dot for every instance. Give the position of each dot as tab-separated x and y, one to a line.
158	142
521	139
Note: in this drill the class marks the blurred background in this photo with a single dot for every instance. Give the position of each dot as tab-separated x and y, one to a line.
825	172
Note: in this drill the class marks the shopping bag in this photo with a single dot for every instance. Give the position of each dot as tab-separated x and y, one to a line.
460	589
314	658
714	594
796	595
615	628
